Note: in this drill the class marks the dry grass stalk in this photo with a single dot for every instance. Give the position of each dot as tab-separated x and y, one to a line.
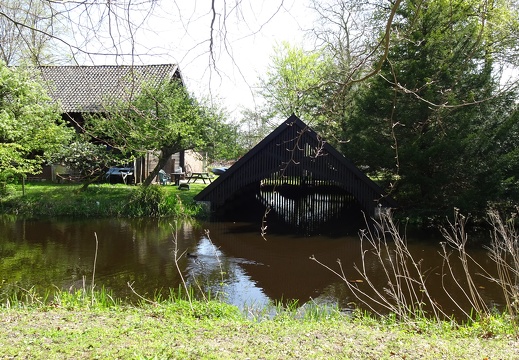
457	239
176	258
504	251
406	294
94	269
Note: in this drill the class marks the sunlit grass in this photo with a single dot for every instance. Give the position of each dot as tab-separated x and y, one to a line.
98	200
79	325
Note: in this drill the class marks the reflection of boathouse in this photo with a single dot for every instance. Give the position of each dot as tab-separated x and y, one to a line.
297	178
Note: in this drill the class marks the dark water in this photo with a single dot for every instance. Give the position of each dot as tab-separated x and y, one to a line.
232	259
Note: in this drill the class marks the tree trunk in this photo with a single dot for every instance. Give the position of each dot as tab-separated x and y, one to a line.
165	154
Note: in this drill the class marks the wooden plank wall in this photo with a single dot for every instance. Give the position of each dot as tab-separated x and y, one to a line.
294	157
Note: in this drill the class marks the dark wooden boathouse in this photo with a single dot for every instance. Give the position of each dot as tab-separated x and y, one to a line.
299	177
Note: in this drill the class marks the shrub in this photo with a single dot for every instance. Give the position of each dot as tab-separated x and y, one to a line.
146	201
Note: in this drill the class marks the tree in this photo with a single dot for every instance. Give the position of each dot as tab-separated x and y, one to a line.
225	143
163	117
292	82
90	160
437	92
26	32
492	159
301	82
133	32
30	126
254	126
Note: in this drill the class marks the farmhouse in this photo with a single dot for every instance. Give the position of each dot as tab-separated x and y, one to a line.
82	90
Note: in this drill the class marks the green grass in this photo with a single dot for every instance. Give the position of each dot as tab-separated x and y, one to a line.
99	200
79	326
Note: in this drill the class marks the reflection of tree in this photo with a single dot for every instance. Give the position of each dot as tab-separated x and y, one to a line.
281	265
26	264
58	254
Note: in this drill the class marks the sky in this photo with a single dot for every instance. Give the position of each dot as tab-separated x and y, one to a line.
178	32
244	56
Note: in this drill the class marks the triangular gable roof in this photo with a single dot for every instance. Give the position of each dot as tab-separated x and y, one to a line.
293	149
87	88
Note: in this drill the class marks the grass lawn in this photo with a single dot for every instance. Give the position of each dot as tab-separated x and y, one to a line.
98	200
212	330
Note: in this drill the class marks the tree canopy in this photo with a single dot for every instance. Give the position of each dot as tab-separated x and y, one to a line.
163	117
420	122
30	125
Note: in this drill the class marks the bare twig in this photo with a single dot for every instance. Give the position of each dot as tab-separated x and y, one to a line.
130	285
94	269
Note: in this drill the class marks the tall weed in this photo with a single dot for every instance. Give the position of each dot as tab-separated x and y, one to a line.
145	202
406	295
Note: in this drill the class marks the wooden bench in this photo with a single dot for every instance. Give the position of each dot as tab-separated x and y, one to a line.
63	178
199	175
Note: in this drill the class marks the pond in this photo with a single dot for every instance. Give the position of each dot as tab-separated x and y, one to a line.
232	259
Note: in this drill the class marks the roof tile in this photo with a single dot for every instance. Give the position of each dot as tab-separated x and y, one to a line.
89	88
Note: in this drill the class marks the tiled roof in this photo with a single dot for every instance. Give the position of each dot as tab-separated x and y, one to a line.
88	88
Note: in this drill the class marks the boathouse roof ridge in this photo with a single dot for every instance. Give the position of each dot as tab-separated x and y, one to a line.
293	149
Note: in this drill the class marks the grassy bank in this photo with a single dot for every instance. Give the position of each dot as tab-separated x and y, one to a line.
99	200
68	328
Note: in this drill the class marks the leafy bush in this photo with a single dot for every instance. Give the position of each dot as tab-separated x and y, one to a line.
146	201
154	201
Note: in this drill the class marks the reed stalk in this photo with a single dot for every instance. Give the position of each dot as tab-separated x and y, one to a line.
94	269
406	295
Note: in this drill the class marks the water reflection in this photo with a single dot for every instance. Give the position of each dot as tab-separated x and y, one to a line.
229	259
280	265
312	211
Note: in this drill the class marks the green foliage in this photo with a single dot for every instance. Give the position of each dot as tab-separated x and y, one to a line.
292	82
300	82
254	127
225	144
163	117
146	201
424	124
154	201
86	158
30	125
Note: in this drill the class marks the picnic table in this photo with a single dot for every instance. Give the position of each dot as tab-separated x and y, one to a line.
118	174
199	175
